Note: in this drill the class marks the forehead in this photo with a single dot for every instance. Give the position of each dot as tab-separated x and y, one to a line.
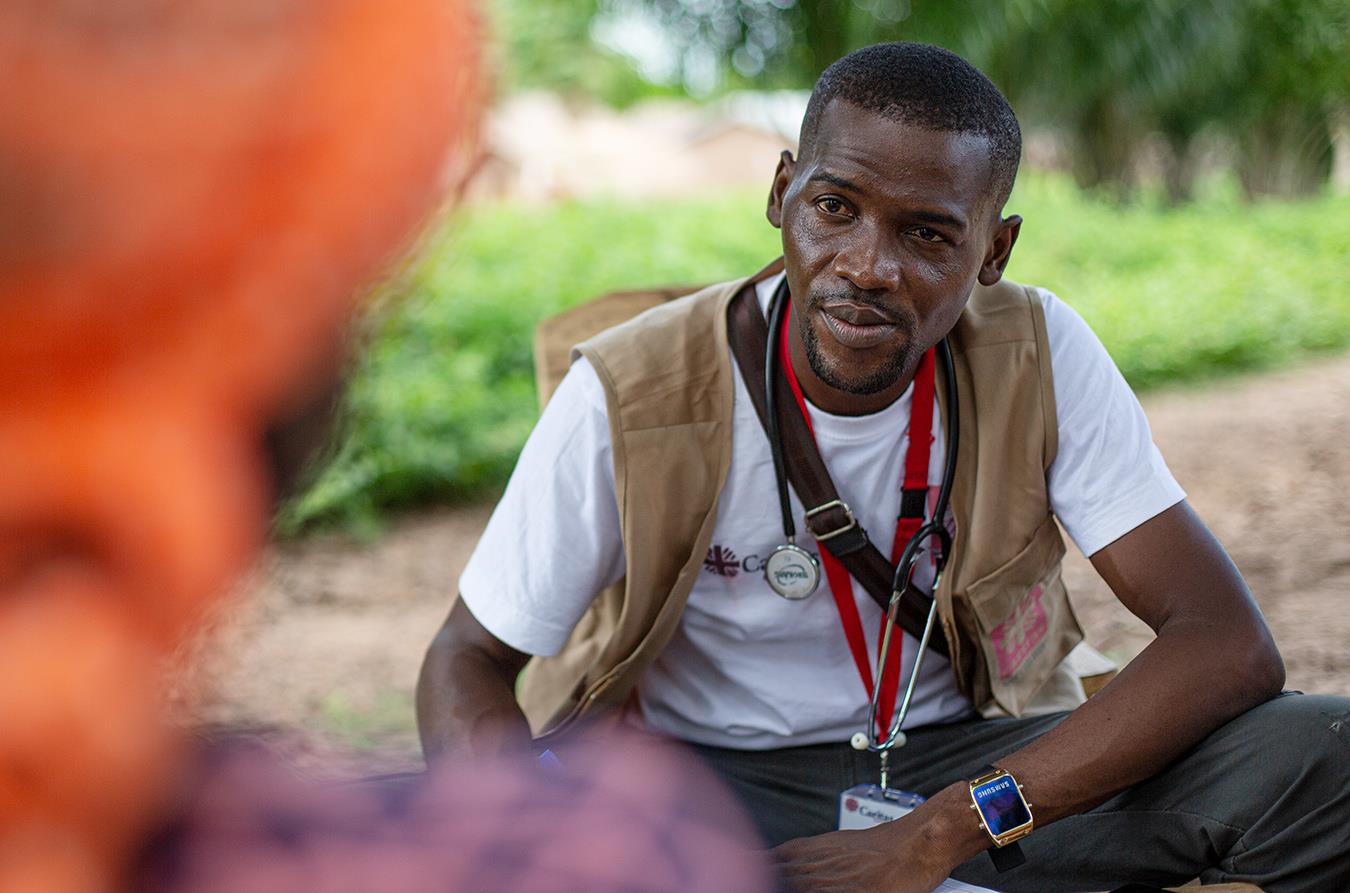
899	160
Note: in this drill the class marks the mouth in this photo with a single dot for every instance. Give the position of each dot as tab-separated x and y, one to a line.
856	326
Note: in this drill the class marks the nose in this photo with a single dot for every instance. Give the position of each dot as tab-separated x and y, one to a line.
868	260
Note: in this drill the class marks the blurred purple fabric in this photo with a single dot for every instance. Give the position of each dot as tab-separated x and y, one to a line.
622	814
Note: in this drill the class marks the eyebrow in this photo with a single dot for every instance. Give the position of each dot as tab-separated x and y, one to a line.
939	218
826	177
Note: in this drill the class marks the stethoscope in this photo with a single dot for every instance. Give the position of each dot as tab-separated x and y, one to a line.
909	556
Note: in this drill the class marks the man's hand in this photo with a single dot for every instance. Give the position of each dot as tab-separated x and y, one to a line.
874	859
853	861
912	854
466	698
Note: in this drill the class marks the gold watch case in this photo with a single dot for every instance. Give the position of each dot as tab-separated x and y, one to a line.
1010	835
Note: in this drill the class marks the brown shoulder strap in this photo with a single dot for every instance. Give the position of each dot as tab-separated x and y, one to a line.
748	334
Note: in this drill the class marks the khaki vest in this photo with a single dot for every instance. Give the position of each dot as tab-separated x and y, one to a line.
667	376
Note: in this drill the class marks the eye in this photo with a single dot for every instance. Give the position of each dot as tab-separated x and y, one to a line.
832	205
927	235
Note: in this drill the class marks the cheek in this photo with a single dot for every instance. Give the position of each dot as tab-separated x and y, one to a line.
951	313
935	267
940	283
940	316
804	234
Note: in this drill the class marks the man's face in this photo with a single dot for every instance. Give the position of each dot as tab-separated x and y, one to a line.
886	229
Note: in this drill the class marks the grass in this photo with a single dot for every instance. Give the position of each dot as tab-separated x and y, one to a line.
1194	292
442	397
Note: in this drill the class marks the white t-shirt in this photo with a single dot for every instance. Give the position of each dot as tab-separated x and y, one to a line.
747	668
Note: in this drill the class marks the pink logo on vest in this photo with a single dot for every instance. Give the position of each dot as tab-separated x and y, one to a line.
1017	637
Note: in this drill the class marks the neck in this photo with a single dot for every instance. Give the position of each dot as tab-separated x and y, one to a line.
833	400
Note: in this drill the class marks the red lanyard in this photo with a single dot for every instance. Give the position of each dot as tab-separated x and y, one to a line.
916	478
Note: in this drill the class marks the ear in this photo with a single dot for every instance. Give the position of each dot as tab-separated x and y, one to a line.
1000	249
782	179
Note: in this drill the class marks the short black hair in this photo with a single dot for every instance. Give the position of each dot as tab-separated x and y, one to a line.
925	86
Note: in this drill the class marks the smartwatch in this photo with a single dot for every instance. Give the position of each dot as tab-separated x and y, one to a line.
1004	814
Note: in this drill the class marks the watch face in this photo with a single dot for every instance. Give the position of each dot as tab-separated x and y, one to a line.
1001	804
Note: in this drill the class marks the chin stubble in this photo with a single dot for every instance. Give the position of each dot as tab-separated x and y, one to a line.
864	384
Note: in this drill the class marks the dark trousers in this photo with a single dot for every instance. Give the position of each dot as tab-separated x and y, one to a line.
1265	799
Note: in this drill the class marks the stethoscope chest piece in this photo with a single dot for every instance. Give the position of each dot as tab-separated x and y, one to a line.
792	572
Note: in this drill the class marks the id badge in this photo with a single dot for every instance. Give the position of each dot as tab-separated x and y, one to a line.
868	805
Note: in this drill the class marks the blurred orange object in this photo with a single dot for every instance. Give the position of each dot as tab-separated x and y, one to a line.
193	194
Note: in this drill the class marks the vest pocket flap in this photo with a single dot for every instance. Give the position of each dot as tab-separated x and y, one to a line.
1026	623
1028	566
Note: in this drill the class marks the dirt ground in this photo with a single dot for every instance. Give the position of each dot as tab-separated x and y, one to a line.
323	646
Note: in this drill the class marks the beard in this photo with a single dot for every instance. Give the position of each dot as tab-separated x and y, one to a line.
860	382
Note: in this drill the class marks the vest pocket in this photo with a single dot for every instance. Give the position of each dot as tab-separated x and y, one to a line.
1025	622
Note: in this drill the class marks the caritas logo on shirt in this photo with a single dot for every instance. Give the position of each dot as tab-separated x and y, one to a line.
724	562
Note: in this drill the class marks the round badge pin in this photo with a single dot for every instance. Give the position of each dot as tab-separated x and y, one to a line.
792	572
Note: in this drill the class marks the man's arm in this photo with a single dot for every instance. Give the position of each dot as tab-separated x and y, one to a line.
1213	659
466	701
552	543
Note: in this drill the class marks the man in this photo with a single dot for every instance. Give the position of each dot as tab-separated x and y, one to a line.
631	540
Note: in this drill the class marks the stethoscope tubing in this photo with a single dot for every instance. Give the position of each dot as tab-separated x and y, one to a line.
935	528
777	307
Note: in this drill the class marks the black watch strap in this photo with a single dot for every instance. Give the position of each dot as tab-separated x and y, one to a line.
1005	858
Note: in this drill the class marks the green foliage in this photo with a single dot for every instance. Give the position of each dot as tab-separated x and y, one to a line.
443	396
547	44
1266	73
1195	292
782	43
1108	74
